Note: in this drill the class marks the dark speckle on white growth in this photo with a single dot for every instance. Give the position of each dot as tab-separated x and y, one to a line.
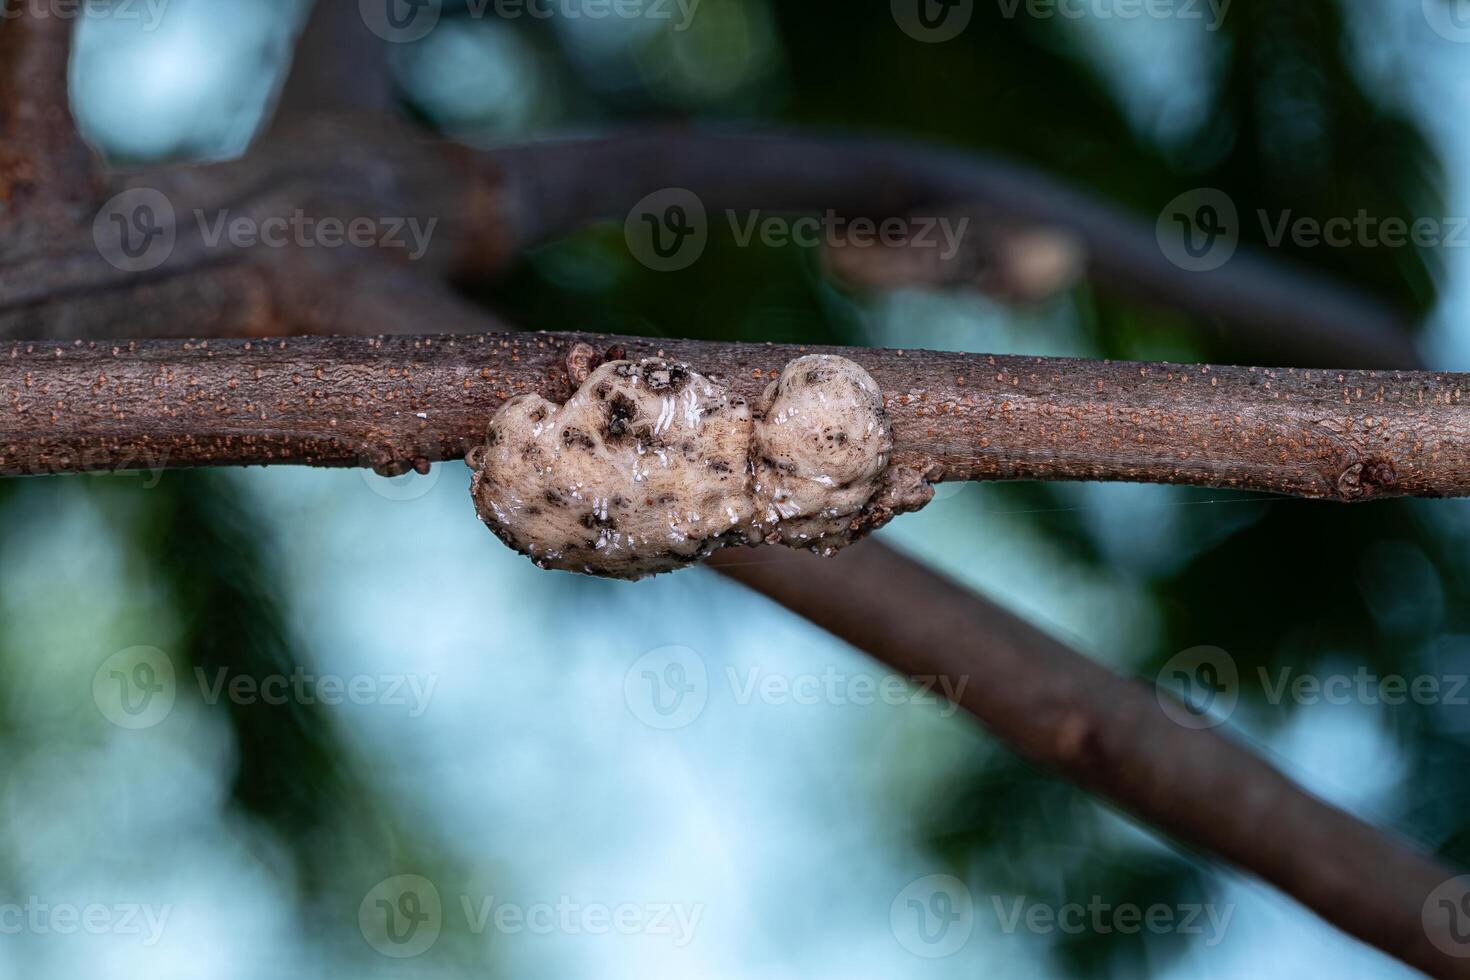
821	450
642	471
651	466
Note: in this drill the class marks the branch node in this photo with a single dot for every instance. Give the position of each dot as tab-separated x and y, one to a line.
1366	479
1076	740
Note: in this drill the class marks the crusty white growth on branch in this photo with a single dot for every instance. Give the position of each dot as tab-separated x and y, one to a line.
651	466
820	451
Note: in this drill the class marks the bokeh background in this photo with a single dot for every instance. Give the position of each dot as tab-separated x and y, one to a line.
504	747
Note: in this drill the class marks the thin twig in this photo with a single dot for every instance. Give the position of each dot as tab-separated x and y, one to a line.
559	186
1108	734
1342	435
493	204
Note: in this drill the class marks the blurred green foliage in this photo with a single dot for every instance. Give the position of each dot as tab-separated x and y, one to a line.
1286	123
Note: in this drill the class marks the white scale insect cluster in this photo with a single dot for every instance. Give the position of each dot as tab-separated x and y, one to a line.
650	467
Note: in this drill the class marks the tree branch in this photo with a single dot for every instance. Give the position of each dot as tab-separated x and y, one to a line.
1012	262
1342	435
1302	318
412	398
205	285
42	157
337	68
387	403
1054	706
495	203
1107	734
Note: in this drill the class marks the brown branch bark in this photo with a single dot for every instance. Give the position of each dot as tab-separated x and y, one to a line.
1013	262
337	68
44	164
204	285
1342	435
388	173
1108	734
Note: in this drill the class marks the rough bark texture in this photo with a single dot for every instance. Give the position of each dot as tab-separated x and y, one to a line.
1108	734
1343	435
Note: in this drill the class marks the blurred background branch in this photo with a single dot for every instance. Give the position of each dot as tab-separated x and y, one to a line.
1198	593
1061	711
47	173
514	198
